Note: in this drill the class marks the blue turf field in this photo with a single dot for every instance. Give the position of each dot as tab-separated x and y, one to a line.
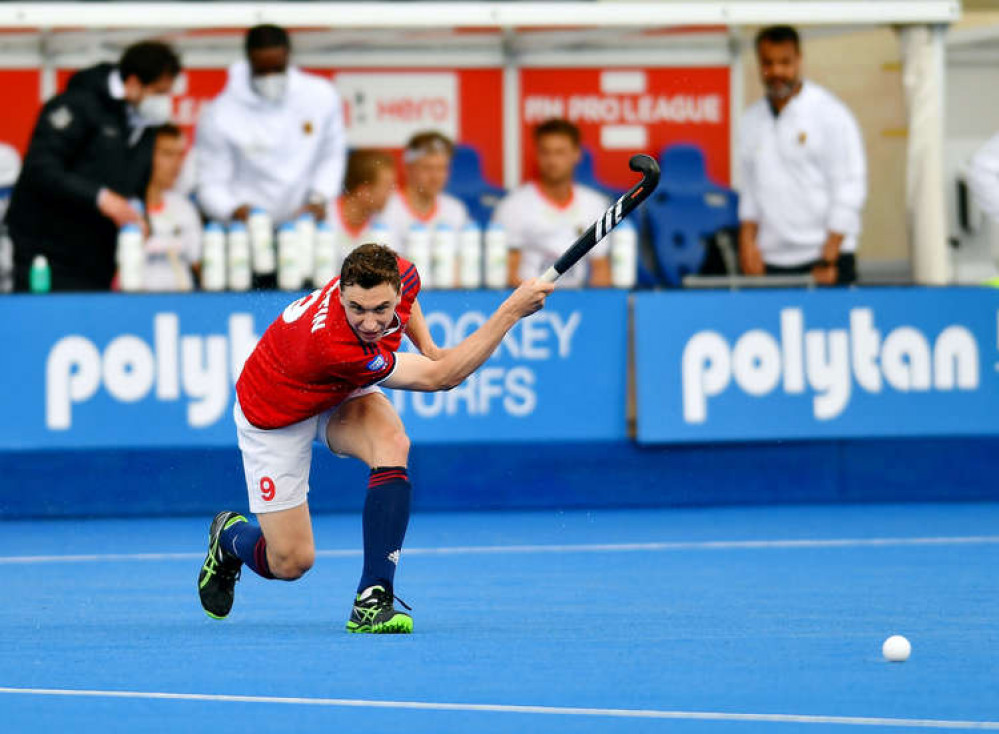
546	610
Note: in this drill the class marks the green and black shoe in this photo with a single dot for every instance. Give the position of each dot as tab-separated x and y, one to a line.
374	613
220	572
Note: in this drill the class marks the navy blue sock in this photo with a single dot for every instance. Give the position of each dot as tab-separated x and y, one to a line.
246	541
386	515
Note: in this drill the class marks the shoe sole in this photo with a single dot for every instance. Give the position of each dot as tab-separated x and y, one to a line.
400	624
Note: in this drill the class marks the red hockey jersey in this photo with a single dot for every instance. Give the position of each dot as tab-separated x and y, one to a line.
310	359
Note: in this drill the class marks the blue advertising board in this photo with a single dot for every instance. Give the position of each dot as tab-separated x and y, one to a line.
139	371
806	364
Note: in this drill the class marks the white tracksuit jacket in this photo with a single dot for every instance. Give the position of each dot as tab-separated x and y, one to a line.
252	151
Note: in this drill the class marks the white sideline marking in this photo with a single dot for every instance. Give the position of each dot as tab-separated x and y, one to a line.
498	708
577	548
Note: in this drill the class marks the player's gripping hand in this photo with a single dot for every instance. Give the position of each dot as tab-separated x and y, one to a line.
529	297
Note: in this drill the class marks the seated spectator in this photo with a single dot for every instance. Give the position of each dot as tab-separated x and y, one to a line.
804	174
369	182
89	155
427	160
173	249
273	139
542	218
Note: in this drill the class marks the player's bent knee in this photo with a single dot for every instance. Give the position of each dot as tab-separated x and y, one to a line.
293	564
395	447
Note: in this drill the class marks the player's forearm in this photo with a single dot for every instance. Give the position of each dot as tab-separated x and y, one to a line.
463	359
831	248
747	235
419	333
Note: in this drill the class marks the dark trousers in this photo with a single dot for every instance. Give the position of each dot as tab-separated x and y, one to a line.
846	269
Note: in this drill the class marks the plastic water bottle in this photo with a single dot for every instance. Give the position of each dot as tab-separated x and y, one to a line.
240	274
444	257
624	255
305	229
40	275
131	258
325	265
418	252
497	257
470	256
261	231
213	264
289	272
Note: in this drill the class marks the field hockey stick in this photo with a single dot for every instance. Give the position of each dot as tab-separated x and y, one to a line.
180	271
644	164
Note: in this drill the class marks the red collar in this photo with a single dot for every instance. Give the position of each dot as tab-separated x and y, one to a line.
550	200
425	218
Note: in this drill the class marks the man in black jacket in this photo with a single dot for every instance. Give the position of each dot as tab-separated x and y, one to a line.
90	153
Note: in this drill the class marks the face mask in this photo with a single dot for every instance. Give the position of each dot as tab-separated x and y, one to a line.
155	109
271	86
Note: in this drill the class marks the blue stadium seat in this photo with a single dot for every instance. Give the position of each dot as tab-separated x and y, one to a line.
677	238
468	184
683	170
687	210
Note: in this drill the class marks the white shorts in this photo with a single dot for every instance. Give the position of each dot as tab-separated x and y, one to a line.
276	461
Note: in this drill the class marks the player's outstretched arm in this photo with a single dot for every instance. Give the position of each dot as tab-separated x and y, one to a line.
419	333
416	372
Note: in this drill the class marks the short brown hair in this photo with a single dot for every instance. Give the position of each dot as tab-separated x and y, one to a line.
369	265
363	167
429	141
557	126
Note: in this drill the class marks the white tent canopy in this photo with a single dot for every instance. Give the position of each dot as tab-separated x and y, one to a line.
512	35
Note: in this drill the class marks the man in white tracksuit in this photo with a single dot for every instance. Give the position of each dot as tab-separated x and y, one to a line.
273	139
803	170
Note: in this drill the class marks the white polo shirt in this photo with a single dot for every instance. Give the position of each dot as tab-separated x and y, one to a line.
542	229
398	217
803	174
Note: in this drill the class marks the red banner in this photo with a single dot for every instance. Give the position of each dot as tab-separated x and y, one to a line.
620	111
20	106
625	111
